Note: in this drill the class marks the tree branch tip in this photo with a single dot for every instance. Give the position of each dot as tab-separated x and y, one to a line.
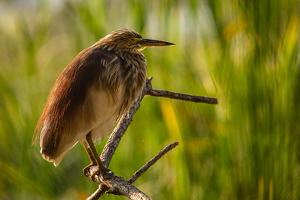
172	145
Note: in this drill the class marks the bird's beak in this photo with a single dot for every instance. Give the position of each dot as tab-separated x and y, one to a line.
150	43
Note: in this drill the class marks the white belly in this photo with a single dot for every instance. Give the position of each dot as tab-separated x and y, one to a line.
98	116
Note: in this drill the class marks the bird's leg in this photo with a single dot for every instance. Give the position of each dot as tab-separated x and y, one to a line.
94	157
91	156
93	150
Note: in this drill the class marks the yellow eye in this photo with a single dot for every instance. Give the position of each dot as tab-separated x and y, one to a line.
132	40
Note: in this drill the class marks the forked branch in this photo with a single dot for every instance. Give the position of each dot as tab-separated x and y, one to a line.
109	182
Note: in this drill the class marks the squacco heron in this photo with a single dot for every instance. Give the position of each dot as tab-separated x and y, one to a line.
92	93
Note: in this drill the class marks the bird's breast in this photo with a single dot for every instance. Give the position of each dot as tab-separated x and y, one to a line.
133	77
123	83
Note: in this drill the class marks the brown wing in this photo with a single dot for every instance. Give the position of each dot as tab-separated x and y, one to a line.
68	96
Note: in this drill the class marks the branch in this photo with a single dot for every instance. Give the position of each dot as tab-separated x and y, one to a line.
119	131
109	182
152	161
118	184
185	97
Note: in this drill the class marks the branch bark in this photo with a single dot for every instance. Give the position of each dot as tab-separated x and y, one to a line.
109	182
119	185
185	97
143	169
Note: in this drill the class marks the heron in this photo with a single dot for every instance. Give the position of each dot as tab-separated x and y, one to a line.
99	85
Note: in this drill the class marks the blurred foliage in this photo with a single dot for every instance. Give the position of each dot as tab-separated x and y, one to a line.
246	53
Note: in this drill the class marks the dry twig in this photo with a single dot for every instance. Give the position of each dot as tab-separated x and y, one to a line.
143	169
185	97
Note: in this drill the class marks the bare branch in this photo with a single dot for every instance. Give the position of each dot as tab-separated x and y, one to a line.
109	182
119	185
185	97
119	131
99	192
152	162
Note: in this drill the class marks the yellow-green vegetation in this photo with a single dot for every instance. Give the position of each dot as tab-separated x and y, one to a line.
245	53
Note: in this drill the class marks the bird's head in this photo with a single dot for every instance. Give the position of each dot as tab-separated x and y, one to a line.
128	40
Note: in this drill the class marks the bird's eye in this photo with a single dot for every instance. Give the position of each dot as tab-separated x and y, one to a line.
132	40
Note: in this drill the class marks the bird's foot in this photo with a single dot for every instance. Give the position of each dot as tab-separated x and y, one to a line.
87	171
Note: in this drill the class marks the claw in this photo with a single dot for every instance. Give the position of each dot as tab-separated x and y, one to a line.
86	170
94	175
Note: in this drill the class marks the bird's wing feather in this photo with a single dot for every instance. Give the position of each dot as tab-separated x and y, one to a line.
71	107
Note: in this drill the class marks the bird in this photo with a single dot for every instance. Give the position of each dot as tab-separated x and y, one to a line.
91	94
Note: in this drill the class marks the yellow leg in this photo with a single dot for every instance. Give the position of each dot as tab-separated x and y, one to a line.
93	155
93	150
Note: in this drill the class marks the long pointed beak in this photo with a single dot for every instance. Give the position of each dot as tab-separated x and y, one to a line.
150	43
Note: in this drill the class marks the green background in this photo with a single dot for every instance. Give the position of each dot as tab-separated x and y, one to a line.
245	53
